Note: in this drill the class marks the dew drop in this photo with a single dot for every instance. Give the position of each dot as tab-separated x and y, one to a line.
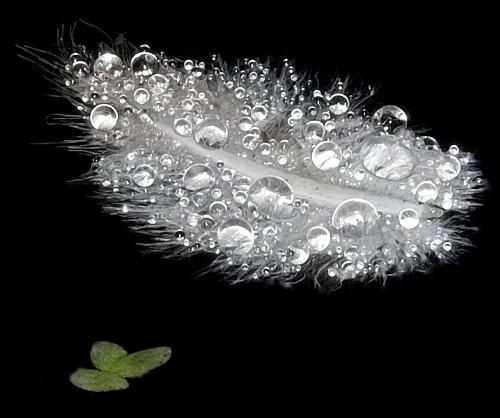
426	191
448	168
326	156
258	113
143	175
386	158
141	96
80	69
183	126
108	65
158	83
318	238
235	237
338	104
298	253
391	118
144	64
272	196
408	218
314	132
355	217
103	117
198	176
211	133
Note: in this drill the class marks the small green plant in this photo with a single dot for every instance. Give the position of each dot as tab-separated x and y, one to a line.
114	365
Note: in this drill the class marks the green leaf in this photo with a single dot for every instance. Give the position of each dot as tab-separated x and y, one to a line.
141	362
104	354
97	380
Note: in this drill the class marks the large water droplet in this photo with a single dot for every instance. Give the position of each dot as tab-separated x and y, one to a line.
141	96
183	126
258	113
108	65
143	175
338	104
314	132
158	83
318	238
327	155
212	133
103	117
386	158
448	168
272	196
298	253
408	218
426	191
355	217
198	177
391	118
80	69
235	237
144	64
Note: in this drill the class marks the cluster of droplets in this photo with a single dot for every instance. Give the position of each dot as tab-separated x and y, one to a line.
275	119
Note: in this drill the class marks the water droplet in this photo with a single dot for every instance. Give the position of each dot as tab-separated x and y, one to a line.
245	124
296	114
408	218
235	237
144	64
141	96
250	141
108	65
391	118
298	254
338	104
158	83
427	142
318	238
258	113
355	217
211	133
198	177
272	196
327	155
206	223
386	158
314	132
183	126
359	175
217	208
454	150
80	69
448	167
167	160
447	246
143	175
103	117
426	191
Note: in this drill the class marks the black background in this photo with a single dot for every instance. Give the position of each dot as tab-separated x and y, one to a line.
80	277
